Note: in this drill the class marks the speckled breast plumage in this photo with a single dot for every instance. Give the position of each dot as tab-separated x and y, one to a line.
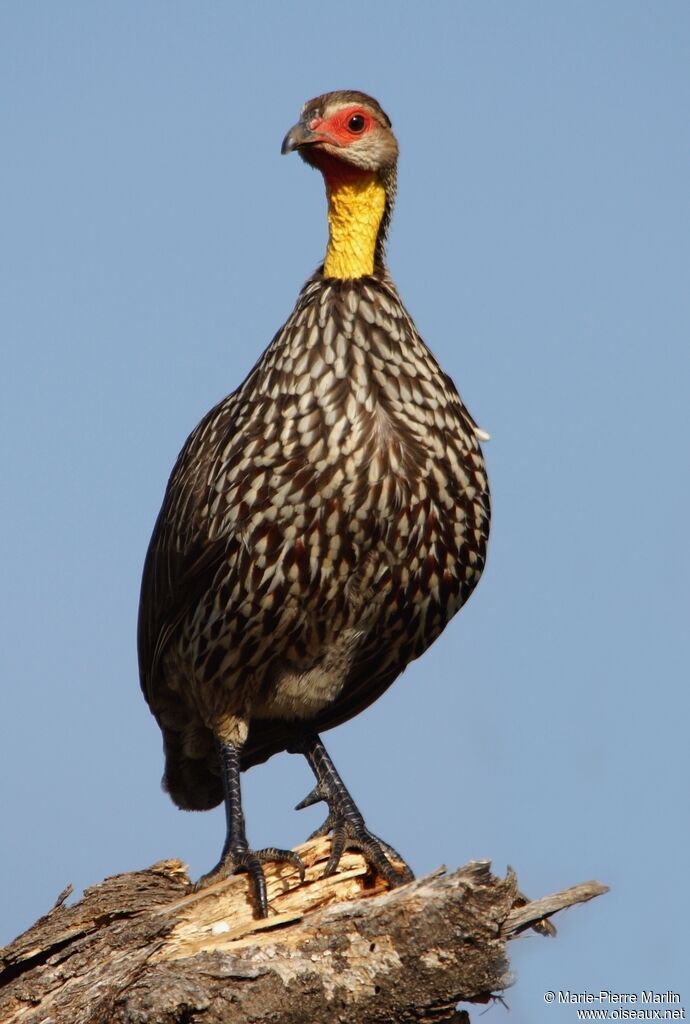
320	528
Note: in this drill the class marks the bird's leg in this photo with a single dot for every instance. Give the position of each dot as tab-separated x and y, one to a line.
236	855
344	819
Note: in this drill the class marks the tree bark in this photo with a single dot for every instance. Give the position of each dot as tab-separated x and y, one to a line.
143	948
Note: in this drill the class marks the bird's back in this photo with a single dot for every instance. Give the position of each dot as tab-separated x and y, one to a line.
320	528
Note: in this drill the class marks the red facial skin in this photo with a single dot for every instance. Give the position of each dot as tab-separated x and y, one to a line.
334	130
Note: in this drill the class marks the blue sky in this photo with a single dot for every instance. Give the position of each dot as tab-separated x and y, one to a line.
152	241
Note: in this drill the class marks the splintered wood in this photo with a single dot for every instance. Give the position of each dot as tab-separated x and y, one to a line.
222	917
144	947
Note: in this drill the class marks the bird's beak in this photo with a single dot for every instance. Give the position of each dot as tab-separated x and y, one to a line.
299	135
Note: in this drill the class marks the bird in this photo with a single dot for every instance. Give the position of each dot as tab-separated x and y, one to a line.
320	527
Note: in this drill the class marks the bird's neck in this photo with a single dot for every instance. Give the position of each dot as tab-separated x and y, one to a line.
356	207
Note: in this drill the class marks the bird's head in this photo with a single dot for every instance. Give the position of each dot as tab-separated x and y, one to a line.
345	128
348	137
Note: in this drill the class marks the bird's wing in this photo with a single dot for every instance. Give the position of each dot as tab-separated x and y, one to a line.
173	582
183	555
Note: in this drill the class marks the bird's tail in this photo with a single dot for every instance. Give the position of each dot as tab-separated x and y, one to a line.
191	775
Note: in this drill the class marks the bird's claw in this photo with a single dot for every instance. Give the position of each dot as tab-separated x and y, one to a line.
350	833
251	861
378	855
315	797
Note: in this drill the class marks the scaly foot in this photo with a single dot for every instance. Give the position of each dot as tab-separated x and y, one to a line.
237	855
241	858
344	819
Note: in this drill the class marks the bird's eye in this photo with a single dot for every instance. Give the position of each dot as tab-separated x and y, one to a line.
356	123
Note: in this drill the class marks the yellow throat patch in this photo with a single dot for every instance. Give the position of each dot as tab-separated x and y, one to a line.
355	209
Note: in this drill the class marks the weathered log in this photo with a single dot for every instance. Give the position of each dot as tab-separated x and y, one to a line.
143	948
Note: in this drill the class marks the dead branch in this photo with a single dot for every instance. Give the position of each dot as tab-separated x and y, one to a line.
142	948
